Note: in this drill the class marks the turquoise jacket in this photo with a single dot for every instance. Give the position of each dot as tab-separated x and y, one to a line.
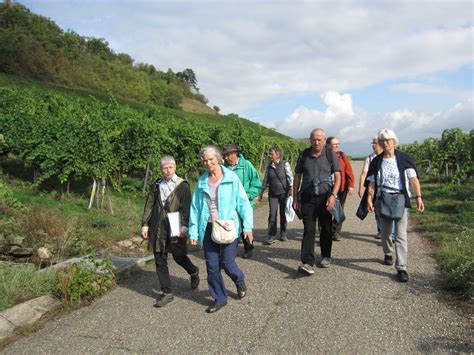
249	177
231	198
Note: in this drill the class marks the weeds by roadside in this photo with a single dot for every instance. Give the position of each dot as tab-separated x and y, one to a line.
21	282
449	219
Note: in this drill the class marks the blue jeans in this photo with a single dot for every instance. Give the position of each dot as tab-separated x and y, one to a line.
220	256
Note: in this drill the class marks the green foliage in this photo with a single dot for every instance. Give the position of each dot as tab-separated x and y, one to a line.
67	137
7	198
449	219
457	258
450	158
34	47
84	281
22	282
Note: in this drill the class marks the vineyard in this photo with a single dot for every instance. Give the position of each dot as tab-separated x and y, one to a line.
66	137
448	159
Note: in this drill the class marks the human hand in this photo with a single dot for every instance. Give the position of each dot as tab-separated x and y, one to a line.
249	236
370	205
351	191
331	202
260	197
194	242
420	205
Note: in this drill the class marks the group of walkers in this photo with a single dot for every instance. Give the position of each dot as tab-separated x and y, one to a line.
219	213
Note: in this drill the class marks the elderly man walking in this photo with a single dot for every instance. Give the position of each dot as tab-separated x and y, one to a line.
170	196
316	197
249	177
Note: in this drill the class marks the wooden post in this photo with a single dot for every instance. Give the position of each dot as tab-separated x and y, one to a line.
102	192
94	187
147	174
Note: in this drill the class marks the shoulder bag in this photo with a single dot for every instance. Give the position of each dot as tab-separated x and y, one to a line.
390	205
223	231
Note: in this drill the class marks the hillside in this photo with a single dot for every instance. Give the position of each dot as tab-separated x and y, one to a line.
34	47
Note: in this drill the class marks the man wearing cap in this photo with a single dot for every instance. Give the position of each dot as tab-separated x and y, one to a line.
248	176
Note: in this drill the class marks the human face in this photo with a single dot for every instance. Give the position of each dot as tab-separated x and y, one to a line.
273	155
317	140
388	145
231	158
209	161
168	170
376	146
335	144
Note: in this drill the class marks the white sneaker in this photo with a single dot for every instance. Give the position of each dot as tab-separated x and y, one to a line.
306	269
326	262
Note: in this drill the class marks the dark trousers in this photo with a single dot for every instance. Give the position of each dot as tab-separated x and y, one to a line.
220	256
314	207
341	196
276	203
161	262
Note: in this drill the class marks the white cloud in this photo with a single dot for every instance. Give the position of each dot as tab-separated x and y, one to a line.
356	127
427	89
245	53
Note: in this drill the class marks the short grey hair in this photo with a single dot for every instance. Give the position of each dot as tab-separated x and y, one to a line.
211	148
317	129
167	159
387	133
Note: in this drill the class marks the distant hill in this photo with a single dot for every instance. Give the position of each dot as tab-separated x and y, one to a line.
34	47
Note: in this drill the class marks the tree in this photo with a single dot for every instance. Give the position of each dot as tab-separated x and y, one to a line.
188	76
216	108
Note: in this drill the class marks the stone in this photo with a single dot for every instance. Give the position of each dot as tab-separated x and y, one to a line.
6	328
17	240
43	253
19	252
137	240
125	243
29	312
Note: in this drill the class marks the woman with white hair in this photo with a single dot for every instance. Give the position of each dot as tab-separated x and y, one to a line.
219	196
389	177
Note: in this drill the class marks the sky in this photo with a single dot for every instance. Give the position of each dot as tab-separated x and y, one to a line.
350	67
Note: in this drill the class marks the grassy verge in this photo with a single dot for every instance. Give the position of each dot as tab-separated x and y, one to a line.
21	282
449	220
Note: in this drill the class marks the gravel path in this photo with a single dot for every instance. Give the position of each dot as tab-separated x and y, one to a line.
355	306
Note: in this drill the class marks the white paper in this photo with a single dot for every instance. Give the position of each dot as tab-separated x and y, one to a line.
175	223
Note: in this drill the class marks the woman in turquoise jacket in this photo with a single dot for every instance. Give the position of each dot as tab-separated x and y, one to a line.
219	194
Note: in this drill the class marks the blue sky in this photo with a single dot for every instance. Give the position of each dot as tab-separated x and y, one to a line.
350	67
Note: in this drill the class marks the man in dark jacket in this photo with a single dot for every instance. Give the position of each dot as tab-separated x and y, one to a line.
248	176
279	180
165	225
316	197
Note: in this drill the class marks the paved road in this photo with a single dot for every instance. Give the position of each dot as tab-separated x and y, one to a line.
355	306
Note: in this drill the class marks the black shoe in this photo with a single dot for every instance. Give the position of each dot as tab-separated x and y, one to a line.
164	299
270	240
402	276
247	254
388	260
214	307
195	279
241	290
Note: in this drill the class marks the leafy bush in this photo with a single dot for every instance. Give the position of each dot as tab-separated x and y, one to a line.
84	281
7	198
